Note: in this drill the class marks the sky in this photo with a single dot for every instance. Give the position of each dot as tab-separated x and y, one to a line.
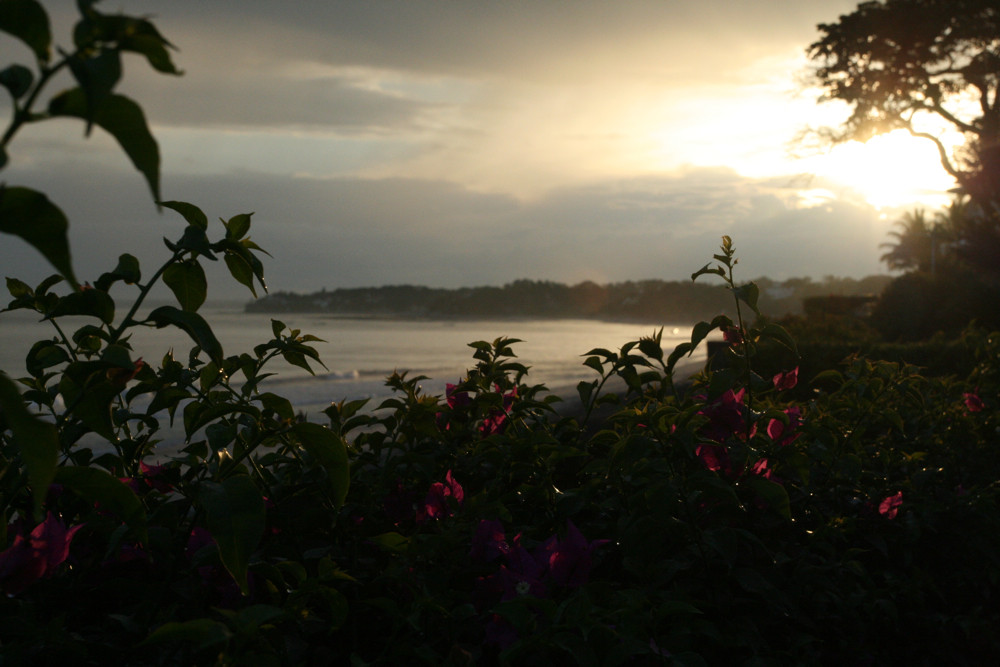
475	143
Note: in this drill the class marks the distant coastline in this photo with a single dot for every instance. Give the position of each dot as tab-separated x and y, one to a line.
646	301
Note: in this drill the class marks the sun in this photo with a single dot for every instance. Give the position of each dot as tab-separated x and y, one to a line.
888	171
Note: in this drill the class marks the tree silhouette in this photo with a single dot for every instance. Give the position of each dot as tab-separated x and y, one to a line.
916	64
924	65
911	248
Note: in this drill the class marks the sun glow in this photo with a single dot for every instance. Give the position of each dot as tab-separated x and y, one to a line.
888	171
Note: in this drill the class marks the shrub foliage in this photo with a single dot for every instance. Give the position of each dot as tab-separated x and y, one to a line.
748	515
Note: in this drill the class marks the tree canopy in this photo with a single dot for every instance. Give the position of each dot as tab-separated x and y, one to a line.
910	64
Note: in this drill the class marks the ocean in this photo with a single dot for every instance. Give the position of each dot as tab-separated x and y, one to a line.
359	354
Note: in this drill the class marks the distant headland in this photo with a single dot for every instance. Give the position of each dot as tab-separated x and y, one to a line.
678	302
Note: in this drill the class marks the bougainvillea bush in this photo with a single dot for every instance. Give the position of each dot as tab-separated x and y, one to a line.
746	515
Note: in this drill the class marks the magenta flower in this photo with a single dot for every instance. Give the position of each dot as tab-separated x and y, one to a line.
569	560
714	457
489	542
519	583
732	335
972	402
726	417
763	469
154	476
784	434
456	399
496	421
435	505
786	380
889	507
39	555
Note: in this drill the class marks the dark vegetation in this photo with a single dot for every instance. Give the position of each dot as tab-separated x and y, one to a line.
656	301
779	508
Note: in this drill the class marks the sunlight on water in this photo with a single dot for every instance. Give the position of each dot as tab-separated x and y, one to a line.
360	353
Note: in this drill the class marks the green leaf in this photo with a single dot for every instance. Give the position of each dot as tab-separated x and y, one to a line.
38	441
651	348
126	33
27	20
31	216
126	271
98	486
45	354
702	329
780	334
19	288
88	302
124	120
195	239
717	270
202	633
238	226
97	76
247	621
330	451
193	324
235	515
188	283
17	79
392	541
749	294
141	36
279	404
595	363
194	215
240	270
86	389
772	493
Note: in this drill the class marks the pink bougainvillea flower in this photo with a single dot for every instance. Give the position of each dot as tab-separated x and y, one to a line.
20	566
726	417
489	542
155	477
435	505
786	380
569	560
714	457
496	421
784	434
521	583
763	469
38	555
135	484
972	402
456	399
889	507
732	335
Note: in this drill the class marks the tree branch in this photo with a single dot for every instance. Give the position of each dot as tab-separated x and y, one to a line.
942	152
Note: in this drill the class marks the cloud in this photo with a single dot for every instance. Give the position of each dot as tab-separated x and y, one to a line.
466	143
355	232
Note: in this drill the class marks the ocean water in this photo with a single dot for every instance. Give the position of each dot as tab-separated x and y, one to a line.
359	354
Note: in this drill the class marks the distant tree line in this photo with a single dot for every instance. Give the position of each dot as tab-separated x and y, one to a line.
642	301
